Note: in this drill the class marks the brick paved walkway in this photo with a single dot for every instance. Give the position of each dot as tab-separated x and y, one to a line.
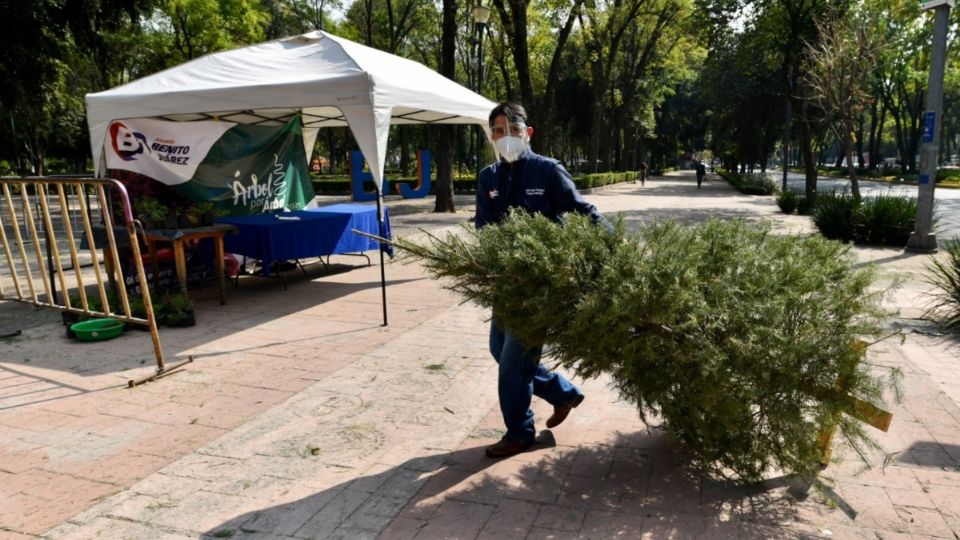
302	417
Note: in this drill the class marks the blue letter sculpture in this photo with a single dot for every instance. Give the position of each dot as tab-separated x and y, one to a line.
423	178
358	176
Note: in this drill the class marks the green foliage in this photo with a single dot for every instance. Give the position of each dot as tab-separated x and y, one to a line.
787	201
150	211
588	181
202	213
733	338
948	175
204	26
750	183
174	310
833	215
742	82
885	219
805	204
340	184
944	275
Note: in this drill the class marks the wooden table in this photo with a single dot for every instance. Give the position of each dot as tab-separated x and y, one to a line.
177	237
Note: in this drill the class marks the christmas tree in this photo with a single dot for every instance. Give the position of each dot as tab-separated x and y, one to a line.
743	344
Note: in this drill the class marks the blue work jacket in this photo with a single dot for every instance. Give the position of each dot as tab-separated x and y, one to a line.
537	184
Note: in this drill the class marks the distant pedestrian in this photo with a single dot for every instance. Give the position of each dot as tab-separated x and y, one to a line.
643	173
701	172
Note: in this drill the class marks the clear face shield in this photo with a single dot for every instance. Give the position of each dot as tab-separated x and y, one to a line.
510	139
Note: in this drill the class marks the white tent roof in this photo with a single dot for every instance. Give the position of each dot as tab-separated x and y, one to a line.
329	80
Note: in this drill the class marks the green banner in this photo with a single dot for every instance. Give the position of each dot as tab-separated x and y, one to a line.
253	170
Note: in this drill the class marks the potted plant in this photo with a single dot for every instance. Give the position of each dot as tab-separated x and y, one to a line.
202	214
151	213
176	310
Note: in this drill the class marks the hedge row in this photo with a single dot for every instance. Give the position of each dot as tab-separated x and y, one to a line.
750	183
588	181
340	184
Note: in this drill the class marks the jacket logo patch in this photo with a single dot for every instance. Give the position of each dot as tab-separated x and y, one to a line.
534	191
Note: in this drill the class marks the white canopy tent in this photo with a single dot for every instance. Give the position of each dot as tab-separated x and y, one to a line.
328	80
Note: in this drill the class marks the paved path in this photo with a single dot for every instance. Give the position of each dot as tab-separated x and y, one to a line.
302	417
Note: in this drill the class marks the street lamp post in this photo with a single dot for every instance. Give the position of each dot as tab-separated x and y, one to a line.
923	240
480	14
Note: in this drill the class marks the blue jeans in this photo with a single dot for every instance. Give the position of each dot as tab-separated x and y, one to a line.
521	377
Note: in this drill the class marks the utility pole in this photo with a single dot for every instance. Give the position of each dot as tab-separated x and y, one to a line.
923	239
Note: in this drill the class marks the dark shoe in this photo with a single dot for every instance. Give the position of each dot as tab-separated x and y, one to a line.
506	448
560	413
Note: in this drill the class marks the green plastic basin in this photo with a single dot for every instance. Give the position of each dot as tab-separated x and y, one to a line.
97	329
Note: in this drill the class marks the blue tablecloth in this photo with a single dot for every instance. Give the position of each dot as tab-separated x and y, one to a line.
303	234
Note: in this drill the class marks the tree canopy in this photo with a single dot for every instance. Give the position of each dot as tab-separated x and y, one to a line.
608	83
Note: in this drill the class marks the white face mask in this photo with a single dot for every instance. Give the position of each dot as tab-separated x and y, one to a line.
510	148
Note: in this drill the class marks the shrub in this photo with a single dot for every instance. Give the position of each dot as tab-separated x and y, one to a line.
750	183
948	175
833	215
732	337
945	277
806	203
787	201
759	184
886	219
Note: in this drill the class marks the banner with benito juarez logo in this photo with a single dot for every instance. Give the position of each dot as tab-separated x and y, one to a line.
245	169
168	152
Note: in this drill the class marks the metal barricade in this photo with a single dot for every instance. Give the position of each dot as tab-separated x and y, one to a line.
40	220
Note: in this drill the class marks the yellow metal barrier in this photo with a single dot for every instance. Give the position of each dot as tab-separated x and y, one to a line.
34	255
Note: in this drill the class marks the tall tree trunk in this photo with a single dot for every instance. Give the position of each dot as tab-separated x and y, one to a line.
900	138
859	141
913	133
848	145
873	143
544	112
444	199
805	143
514	23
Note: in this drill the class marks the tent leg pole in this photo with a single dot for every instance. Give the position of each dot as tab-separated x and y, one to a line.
383	275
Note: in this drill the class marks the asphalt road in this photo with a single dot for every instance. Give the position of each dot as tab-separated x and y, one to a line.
946	210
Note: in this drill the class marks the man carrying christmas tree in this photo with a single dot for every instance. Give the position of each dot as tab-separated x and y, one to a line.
537	184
